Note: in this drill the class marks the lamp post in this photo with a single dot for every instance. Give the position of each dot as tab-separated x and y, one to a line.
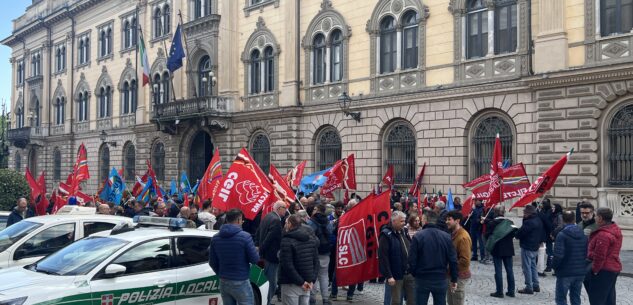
103	136
212	82
345	102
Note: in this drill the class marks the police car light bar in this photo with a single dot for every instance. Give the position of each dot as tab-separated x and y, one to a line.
161	221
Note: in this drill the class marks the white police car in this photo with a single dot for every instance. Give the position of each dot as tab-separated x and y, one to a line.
143	265
29	240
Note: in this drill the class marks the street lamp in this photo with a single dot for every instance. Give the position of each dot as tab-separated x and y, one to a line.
345	102
212	82
103	136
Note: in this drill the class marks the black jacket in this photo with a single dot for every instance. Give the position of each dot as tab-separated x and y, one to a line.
441	220
432	251
393	252
16	217
299	256
505	246
269	237
570	251
531	233
547	217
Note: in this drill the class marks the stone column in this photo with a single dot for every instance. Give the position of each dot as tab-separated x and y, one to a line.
551	41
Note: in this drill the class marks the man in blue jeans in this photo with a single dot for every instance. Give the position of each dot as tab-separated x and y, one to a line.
432	252
230	254
570	251
531	235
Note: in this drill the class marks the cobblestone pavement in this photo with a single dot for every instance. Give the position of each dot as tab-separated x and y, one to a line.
482	284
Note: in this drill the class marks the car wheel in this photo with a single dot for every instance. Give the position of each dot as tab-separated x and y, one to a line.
257	294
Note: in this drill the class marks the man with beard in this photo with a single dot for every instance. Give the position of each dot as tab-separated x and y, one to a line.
587	223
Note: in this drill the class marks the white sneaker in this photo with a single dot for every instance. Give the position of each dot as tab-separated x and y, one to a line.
359	292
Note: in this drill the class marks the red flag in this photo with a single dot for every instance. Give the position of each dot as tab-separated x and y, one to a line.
41	207
35	188
59	202
281	189
139	185
467	206
293	177
41	181
150	173
211	179
388	177
82	198
496	164
185	197
342	175
357	241
121	172
245	187
81	165
417	184
515	183
543	183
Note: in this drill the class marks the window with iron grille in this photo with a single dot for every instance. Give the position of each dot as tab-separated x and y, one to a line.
130	163
260	149
329	149
620	158
483	143
158	161
616	17
400	152
104	162
57	165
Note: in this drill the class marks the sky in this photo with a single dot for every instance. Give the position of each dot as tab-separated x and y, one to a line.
10	10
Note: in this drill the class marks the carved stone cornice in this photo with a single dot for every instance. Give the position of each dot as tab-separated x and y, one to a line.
581	76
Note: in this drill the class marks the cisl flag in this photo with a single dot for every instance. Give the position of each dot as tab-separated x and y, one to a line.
342	175
357	240
244	187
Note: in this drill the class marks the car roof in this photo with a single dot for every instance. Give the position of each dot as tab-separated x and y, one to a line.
57	218
147	233
4	213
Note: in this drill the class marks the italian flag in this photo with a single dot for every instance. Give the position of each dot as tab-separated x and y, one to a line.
144	60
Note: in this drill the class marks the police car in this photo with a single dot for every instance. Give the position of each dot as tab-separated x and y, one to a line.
148	264
29	240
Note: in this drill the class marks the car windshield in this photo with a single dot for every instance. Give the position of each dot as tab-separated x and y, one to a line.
15	232
80	257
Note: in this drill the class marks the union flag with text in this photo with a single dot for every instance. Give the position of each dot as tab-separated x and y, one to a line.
342	175
210	182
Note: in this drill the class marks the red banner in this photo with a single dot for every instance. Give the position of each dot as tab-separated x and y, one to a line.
496	165
293	177
35	188
388	177
341	176
543	183
357	240
245	187
211	179
81	165
281	189
417	184
515	184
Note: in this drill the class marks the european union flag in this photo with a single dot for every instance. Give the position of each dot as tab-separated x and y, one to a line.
176	52
309	184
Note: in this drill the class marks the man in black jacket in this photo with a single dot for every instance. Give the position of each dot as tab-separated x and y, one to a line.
21	211
393	255
570	252
269	241
301	262
500	235
546	214
432	251
530	236
322	229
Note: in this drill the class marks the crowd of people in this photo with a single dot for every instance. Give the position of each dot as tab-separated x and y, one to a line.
423	252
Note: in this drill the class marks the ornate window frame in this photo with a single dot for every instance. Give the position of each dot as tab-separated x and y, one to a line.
60	58
129	33
327	21
261	137
472	128
400	179
83	49
604	50
399	80
129	91
82	91
319	135
253	5
610	112
160	72
491	67
59	100
106	40
104	121
19	72
165	16
261	38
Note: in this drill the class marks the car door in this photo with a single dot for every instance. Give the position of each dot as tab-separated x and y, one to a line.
149	276
197	283
43	243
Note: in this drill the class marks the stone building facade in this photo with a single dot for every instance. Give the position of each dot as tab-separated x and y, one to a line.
432	80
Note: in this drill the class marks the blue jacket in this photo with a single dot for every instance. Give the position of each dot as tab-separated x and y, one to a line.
570	251
531	233
230	253
393	248
432	251
16	217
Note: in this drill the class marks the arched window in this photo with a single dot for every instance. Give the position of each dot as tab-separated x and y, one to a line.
158	160
58	59
388	49
329	148
269	69
59	110
126	97
19	117
319	59
133	96
36	113
32	160
410	40
260	148
400	152
104	162
57	165
158	23
336	56
616	16
130	162
18	162
483	143
133	32
127	28
105	95
620	158
476	29
166	20
505	27
82	114
204	67
202	8
255	72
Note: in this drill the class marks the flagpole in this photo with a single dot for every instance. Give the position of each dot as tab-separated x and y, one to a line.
171	79
184	39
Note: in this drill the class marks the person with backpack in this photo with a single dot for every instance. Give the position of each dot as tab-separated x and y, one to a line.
322	228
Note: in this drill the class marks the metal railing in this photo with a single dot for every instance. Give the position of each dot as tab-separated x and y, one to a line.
193	107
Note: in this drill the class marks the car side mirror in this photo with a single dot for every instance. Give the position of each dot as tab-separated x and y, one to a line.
113	270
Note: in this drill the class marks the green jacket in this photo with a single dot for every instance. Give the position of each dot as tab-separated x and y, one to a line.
505	227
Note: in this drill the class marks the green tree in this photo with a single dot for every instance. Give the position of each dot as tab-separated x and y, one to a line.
13	186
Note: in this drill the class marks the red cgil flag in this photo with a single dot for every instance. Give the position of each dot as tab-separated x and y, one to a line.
543	183
245	187
496	165
211	179
281	190
293	177
388	177
417	184
81	165
342	175
357	240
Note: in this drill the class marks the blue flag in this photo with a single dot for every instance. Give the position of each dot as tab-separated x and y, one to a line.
450	205
117	187
185	187
310	183
176	52
146	193
174	188
194	190
105	192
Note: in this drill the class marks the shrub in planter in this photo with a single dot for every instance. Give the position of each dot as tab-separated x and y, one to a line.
13	186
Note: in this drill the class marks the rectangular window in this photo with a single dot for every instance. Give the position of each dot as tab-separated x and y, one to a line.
255	77
410	48
319	65
506	29
388	52
337	71
270	75
477	39
616	17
